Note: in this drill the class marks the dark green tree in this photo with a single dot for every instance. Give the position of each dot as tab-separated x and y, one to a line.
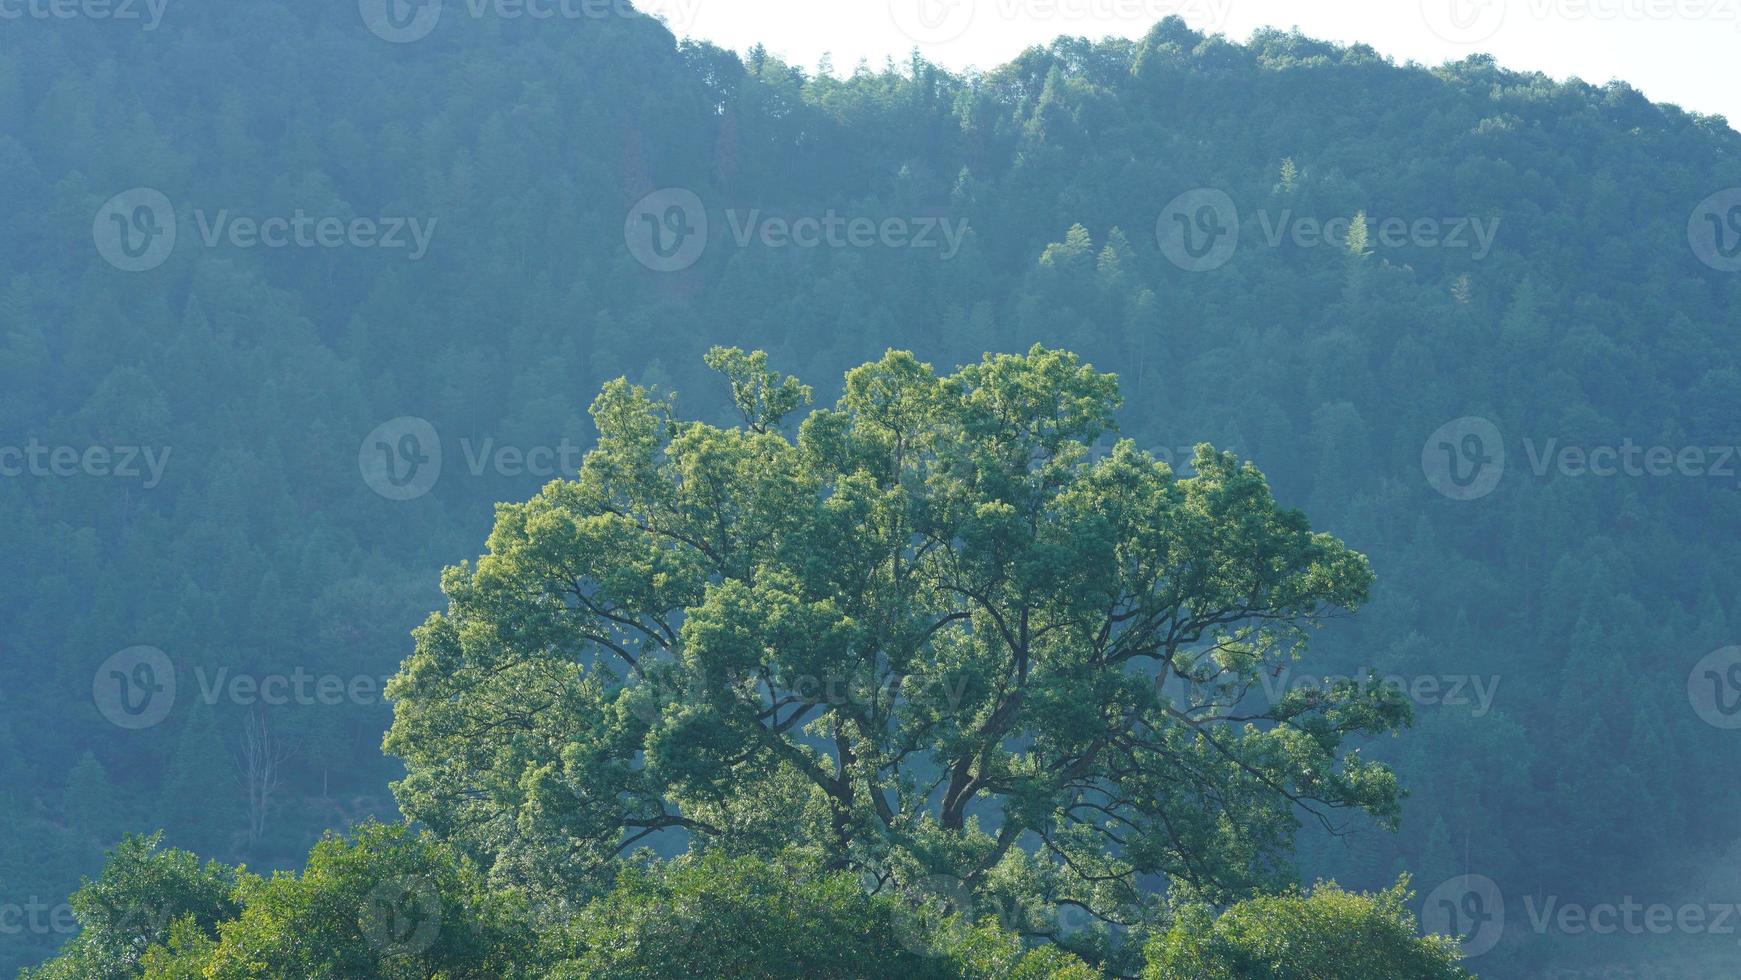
926	640
143	892
1326	932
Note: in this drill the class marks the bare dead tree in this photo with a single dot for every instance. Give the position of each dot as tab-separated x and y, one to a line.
259	759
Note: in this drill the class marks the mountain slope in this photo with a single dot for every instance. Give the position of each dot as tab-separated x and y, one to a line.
1550	279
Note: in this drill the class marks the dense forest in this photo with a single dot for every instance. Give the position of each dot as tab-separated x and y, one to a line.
1426	303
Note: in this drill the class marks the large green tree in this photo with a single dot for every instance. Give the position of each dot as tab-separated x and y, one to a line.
1327	932
932	640
382	904
743	917
143	893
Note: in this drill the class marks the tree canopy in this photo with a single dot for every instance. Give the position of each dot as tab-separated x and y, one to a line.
1326	932
1545	632
929	637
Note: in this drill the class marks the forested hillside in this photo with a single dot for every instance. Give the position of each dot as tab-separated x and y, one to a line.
317	429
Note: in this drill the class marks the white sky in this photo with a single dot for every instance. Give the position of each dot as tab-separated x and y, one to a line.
1681	51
